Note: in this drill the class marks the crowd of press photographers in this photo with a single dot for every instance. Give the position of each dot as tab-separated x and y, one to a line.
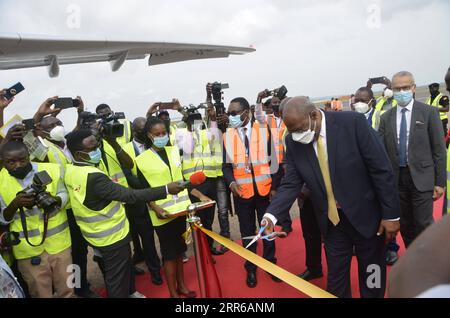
112	181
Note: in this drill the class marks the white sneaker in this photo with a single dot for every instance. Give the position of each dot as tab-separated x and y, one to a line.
137	294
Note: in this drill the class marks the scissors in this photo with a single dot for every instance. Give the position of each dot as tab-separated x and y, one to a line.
271	237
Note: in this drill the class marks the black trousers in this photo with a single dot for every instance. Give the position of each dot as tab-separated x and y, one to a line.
79	252
370	252
209	188
248	211
117	269
311	235
416	208
141	226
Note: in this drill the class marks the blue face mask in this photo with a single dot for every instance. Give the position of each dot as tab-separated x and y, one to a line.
235	121
403	97
161	142
95	156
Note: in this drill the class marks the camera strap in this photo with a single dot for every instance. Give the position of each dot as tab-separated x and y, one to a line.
23	219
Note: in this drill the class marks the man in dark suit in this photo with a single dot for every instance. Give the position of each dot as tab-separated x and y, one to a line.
351	183
414	139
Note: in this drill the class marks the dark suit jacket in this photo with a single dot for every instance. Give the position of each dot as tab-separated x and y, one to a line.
361	175
427	154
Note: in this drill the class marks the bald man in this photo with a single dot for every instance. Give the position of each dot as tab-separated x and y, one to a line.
351	183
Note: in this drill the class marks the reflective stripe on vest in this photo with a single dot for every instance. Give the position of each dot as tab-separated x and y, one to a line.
106	233
58	234
435	103
157	174
100	228
56	230
201	159
258	159
278	134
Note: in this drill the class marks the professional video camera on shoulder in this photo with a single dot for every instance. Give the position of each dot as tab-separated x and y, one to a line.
109	124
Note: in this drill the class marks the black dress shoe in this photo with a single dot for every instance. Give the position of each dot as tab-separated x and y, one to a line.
275	279
137	271
309	275
156	278
391	257
251	279
216	252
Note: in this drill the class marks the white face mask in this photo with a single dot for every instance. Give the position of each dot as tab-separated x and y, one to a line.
361	107
305	137
58	133
388	93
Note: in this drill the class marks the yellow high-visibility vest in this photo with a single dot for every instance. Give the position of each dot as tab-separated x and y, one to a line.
158	174
435	103
201	158
100	228
58	234
127	136
114	170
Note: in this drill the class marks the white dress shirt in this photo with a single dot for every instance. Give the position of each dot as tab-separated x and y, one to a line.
408	114
140	147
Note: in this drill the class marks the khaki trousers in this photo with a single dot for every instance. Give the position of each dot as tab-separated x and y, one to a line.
50	273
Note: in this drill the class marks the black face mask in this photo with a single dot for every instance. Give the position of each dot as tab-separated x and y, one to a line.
21	173
140	137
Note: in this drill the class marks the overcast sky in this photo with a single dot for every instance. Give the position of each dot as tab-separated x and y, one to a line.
315	48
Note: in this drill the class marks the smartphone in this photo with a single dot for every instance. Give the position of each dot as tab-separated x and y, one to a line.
378	80
14	90
66	102
28	123
165	106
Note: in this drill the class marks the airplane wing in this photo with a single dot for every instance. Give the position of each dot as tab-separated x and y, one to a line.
23	51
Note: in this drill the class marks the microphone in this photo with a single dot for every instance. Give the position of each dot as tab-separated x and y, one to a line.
196	179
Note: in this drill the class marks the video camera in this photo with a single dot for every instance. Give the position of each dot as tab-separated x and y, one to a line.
110	123
192	114
280	93
43	200
217	93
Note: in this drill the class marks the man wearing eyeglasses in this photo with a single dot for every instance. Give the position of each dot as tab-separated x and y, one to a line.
414	139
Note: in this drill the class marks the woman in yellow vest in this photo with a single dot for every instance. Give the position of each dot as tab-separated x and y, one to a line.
158	165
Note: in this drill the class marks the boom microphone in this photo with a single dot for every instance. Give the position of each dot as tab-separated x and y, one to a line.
196	179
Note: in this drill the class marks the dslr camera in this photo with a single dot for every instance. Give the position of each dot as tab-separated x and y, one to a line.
43	200
110	123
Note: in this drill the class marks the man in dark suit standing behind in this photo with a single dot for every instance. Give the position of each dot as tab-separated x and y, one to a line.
414	139
351	183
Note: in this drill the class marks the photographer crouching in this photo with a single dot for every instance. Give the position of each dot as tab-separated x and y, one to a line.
33	200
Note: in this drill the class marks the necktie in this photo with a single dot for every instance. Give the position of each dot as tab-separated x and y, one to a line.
403	160
333	215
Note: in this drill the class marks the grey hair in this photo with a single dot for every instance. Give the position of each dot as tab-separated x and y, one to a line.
404	74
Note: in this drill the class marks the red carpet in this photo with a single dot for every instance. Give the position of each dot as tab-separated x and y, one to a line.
291	256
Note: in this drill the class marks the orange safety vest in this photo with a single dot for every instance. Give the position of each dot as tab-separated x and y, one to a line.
257	158
277	136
